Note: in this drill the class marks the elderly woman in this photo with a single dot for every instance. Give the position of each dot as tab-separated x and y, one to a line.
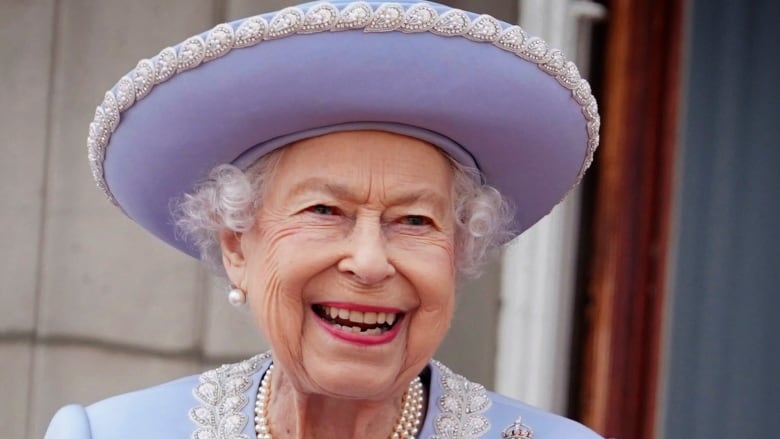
342	165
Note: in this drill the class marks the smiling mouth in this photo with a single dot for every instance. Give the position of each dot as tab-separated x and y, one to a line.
357	322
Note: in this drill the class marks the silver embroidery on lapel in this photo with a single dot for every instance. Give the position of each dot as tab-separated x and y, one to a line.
221	394
462	406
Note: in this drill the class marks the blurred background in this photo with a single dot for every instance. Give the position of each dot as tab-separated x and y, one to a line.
644	306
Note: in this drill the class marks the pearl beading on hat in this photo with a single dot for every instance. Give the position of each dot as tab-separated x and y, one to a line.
325	17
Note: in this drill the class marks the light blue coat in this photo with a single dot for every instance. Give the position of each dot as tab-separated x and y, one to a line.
219	404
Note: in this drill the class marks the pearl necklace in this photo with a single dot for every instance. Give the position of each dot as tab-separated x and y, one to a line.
407	426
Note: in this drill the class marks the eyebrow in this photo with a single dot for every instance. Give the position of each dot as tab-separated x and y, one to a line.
324	185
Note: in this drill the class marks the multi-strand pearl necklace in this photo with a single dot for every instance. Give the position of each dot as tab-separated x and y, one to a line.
408	422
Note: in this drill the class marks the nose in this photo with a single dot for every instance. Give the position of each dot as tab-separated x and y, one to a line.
366	258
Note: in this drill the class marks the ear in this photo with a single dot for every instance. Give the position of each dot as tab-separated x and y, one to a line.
233	257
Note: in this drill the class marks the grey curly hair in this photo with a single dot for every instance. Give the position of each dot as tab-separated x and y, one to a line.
229	198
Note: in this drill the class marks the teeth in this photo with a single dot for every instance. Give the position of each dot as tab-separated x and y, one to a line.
368	317
356	316
357	330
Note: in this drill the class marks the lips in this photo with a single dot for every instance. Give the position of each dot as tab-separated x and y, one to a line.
358	320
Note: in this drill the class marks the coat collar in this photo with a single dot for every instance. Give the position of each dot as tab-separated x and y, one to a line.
226	397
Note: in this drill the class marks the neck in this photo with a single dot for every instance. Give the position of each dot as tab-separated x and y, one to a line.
294	414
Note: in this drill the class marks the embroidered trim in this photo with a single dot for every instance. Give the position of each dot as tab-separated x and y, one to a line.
325	17
462	406
221	393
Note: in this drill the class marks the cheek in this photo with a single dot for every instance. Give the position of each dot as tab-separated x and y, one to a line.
287	256
276	310
431	271
429	326
285	260
428	264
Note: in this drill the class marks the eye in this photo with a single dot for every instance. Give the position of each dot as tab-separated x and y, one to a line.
322	209
416	220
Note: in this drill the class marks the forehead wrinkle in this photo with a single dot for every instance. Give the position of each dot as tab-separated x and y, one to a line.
418	189
398	188
324	185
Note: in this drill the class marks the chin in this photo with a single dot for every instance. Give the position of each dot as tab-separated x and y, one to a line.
338	369
364	383
326	363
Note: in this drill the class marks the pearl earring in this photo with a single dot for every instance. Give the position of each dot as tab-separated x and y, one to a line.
236	297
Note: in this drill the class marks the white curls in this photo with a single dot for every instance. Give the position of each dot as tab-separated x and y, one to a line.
227	200
483	220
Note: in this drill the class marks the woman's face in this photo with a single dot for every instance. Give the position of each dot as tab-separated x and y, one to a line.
349	270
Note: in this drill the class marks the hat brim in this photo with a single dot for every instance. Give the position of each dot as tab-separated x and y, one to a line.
526	129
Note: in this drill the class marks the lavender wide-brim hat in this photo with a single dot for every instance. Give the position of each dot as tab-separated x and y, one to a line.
483	91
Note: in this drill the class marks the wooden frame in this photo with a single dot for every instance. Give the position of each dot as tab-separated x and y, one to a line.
625	262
